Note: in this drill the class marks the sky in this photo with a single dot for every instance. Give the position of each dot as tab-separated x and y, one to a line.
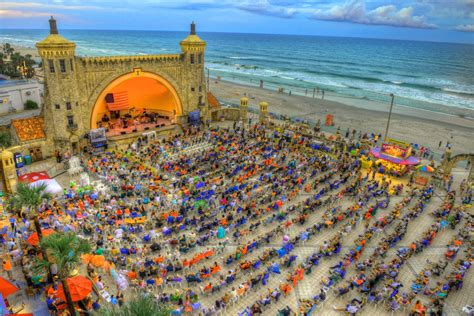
425	20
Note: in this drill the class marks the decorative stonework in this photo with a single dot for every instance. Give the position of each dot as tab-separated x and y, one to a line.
73	83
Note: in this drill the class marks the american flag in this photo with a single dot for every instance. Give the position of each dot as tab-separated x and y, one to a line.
117	101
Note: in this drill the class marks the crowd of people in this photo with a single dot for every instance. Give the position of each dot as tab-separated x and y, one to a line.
202	219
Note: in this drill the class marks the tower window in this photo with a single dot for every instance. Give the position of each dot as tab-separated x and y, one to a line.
192	89
68	106
57	106
200	88
192	58
70	120
72	66
51	65
62	65
199	58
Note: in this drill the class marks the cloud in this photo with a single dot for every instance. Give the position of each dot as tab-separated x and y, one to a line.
465	28
265	8
54	6
354	11
277	8
447	9
14	14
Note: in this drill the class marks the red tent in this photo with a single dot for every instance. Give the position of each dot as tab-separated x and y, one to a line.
7	288
33	177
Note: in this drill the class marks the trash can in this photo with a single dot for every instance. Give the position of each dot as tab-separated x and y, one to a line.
28	160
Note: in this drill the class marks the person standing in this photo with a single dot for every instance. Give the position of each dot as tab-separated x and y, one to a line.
13	223
7	267
58	156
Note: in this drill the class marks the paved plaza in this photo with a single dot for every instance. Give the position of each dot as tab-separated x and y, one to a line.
268	193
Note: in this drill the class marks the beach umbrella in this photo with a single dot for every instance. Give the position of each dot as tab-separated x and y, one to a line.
425	168
33	240
79	287
7	288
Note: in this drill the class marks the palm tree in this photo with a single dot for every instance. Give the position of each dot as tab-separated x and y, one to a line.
138	305
64	250
28	199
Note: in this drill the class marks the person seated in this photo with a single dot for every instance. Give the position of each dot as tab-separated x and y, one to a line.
352	308
246	265
264	300
256	309
285	288
215	268
208	288
418	309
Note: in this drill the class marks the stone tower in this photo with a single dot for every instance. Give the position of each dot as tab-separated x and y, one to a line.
193	48
244	102
61	100
8	171
263	112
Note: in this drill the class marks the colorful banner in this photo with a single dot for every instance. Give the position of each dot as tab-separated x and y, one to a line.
394	151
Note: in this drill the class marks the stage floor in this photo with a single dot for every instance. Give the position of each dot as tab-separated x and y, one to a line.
138	128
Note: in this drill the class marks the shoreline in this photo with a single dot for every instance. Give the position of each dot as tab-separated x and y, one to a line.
353	100
361	102
407	124
371	105
410	124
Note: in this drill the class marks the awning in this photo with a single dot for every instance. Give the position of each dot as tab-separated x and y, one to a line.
410	161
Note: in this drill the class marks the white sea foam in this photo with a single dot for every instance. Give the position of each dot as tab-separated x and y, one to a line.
245	57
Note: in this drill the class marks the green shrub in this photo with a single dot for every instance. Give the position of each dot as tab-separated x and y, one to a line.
31	105
5	139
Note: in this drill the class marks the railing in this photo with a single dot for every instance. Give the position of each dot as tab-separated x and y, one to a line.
114	59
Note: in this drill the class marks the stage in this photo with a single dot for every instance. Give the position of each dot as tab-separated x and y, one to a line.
137	128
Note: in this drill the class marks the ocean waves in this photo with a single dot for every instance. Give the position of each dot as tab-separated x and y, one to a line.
410	88
418	73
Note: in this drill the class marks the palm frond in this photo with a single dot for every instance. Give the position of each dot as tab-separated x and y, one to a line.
65	249
137	305
39	266
29	197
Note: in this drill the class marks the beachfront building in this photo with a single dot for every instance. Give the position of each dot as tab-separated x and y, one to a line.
126	95
15	93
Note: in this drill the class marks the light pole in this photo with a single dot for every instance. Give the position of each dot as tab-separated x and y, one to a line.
389	116
208	88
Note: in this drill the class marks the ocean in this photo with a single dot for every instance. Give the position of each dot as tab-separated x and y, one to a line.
419	74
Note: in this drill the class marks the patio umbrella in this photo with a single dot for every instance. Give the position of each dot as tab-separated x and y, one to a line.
98	260
425	168
34	240
79	287
7	288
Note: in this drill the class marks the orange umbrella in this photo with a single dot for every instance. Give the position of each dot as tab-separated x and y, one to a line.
7	288
34	240
98	260
87	257
79	287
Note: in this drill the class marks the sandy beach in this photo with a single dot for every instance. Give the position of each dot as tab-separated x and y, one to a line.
408	124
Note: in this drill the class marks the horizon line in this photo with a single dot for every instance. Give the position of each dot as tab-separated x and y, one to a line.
249	33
